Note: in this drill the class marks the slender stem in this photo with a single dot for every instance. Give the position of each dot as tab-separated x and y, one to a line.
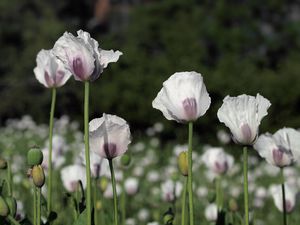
38	206
246	205
218	194
123	201
190	175
34	205
113	182
12	220
49	192
183	206
95	202
87	153
9	179
74	206
283	198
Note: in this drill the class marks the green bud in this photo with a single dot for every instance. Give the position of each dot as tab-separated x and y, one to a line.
3	164
34	156
103	183
99	205
38	176
125	160
183	163
233	206
4	210
12	205
168	217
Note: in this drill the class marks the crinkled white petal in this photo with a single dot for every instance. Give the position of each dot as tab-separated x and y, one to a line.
108	56
72	174
264	146
290	196
178	88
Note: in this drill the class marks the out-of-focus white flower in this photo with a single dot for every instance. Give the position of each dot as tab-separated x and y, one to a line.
280	149
183	97
202	192
217	160
82	56
109	136
143	214
153	223
95	162
108	193
57	159
138	147
242	115
223	136
211	212
70	176
153	176
158	127
130	221
131	185
50	71
171	190
290	197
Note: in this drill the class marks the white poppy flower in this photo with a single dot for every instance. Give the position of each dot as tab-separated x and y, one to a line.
50	70
290	197
109	136
95	163
70	176
242	115
82	56
217	160
211	212
171	190
280	149
183	97
131	186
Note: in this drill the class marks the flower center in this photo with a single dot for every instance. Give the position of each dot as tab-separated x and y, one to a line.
247	134
110	150
221	167
78	68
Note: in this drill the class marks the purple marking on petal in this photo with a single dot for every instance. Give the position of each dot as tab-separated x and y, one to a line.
221	167
59	77
247	134
110	150
277	156
190	108
74	185
288	206
78	68
48	79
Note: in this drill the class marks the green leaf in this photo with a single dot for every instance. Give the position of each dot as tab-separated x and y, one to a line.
81	220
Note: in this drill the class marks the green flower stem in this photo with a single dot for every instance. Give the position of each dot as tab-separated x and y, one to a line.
183	206
95	202
87	153
34	205
219	194
190	175
245	165
9	179
123	201
283	197
12	220
74	206
38	205
113	181
49	192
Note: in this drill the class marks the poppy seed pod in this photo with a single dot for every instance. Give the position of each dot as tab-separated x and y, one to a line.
4	210
125	160
12	205
3	164
38	176
183	163
34	156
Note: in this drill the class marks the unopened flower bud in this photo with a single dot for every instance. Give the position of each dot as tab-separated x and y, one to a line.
233	206
4	210
34	156
168	217
99	205
38	176
125	160
183	163
3	164
12	205
103	184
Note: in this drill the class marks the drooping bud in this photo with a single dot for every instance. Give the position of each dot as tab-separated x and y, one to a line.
34	156
4	210
38	176
3	164
12	205
125	160
103	183
168	217
233	206
183	163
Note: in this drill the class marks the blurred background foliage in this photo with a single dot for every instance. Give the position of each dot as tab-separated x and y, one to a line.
239	47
